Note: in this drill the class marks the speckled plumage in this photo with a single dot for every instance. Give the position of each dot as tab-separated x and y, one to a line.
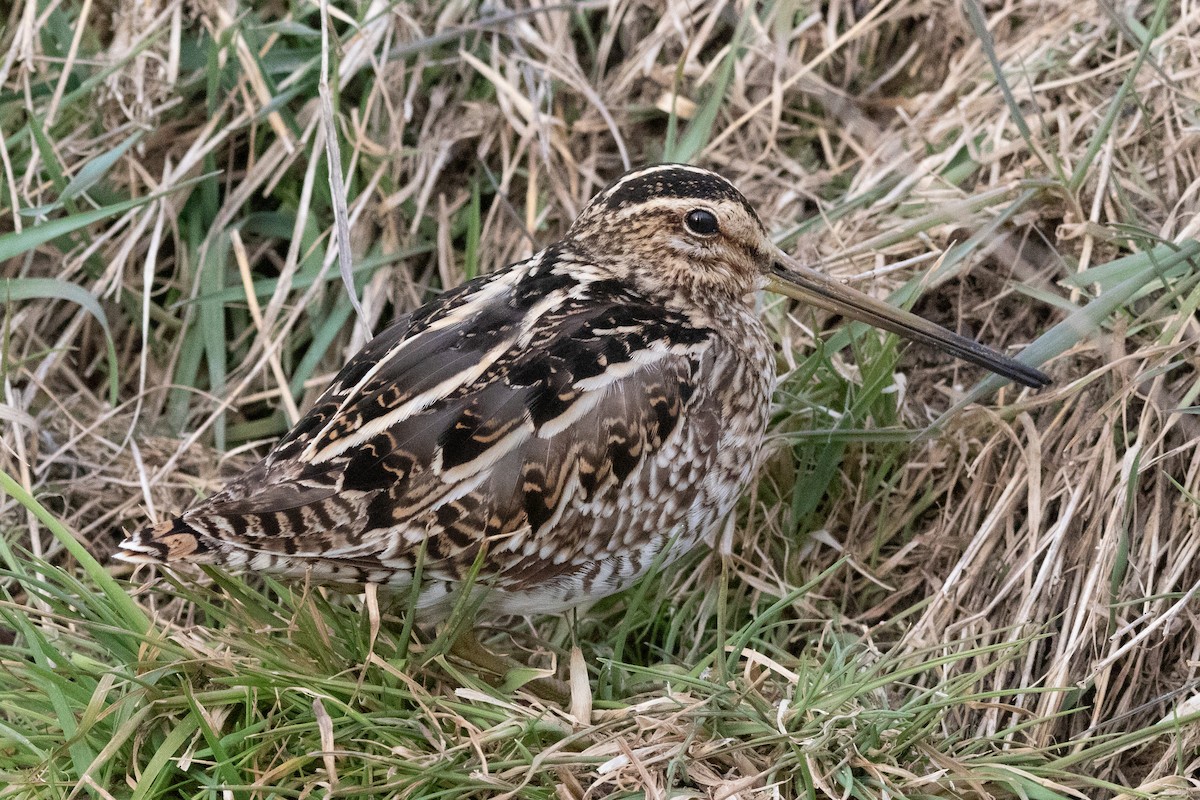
561	421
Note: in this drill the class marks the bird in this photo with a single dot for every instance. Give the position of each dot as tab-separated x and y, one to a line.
542	435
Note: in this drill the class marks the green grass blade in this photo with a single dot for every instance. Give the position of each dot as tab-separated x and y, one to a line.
210	325
699	130
1117	106
18	289
57	689
130	611
159	768
979	26
91	172
1085	321
16	243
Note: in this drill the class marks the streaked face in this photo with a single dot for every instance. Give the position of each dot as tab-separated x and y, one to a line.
681	222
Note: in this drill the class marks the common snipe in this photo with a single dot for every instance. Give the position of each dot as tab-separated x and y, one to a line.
557	424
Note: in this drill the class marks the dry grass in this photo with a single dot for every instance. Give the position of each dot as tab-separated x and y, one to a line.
1006	607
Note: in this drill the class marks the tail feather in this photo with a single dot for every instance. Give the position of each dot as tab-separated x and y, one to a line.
168	541
188	539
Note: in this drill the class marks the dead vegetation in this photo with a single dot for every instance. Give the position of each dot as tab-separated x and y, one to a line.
1019	586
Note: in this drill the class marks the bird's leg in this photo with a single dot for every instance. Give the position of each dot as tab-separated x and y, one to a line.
467	647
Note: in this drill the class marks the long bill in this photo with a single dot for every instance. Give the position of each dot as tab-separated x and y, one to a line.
799	282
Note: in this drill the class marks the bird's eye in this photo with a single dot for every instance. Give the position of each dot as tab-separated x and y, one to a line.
702	222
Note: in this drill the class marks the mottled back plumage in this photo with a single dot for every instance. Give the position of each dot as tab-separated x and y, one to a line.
560	422
554	419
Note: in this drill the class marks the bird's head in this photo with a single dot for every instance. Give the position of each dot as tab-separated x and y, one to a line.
677	229
685	234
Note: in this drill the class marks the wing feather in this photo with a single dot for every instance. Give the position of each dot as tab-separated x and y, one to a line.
528	428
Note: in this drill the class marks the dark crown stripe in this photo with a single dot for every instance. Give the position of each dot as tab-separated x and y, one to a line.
672	181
